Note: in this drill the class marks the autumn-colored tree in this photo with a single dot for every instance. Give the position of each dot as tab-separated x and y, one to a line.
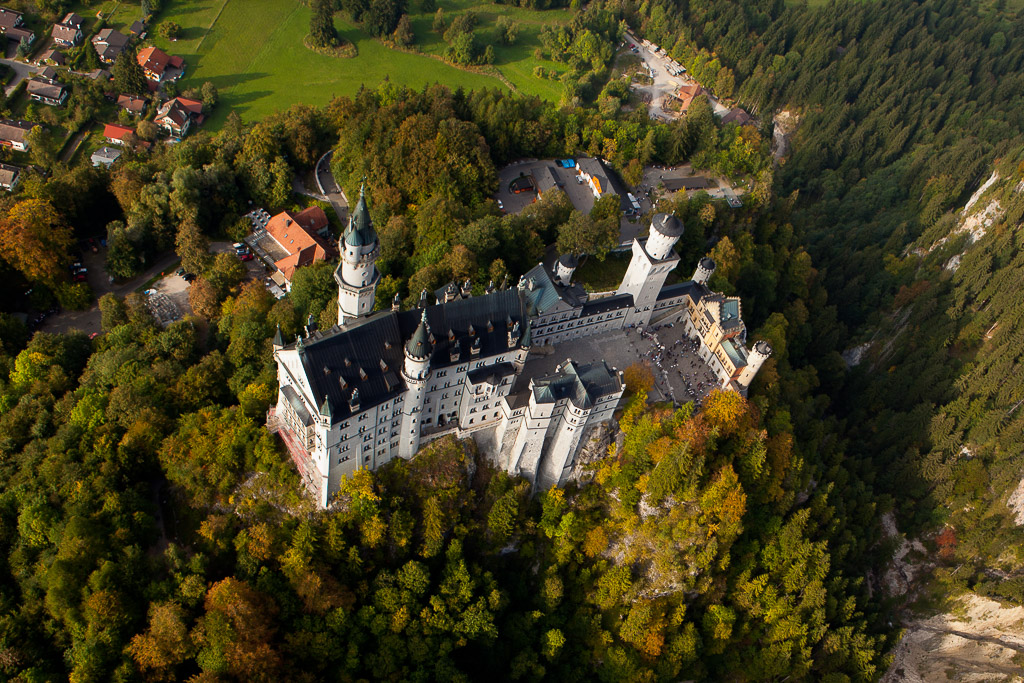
36	240
164	645
638	377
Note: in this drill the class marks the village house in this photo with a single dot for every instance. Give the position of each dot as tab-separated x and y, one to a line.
138	29
135	106
686	94
105	156
177	116
109	44
69	31
158	65
116	133
13	26
14	134
9	176
47	91
51	58
299	241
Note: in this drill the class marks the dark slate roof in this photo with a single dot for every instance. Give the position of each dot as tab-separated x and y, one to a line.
667	224
374	353
679	289
693	183
491	374
707	263
568	260
605	304
581	384
360	232
419	343
545	178
546	293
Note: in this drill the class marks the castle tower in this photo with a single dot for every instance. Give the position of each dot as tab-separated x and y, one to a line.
755	359
705	269
564	268
357	276
525	342
416	371
652	261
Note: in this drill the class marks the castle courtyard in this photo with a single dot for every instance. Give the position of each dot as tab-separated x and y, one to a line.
680	374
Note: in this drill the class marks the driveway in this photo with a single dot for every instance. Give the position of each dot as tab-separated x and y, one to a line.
21	72
330	188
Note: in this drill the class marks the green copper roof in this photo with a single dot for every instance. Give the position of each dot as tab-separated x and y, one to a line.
419	344
325	409
360	232
278	339
527	337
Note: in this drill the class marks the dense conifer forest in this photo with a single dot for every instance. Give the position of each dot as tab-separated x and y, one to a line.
152	529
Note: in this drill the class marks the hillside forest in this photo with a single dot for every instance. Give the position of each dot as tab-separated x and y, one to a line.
152	529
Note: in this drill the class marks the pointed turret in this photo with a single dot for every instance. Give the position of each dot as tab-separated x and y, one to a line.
418	347
360	232
278	339
326	411
357	275
527	339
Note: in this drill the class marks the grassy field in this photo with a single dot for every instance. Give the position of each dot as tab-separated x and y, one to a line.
252	51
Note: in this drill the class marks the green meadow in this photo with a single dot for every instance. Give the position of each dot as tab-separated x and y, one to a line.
252	51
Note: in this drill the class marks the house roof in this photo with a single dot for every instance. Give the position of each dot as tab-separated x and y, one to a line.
48	74
107	154
137	28
134	104
296	233
737	116
687	94
8	174
15	131
693	183
72	19
545	178
47	89
65	33
55	56
9	18
332	362
606	304
113	131
109	36
19	33
179	110
153	59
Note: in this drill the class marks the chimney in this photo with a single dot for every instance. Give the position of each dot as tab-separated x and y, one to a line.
396	304
423	299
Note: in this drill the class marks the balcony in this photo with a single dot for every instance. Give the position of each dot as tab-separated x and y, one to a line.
308	471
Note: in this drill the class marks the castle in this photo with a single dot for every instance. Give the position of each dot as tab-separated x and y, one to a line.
381	384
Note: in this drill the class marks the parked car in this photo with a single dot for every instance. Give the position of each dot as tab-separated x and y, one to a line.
245	257
80	277
188	277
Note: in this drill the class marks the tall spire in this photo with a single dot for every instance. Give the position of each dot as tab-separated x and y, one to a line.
360	232
419	344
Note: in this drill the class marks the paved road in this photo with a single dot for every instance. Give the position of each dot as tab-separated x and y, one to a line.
21	72
665	83
330	188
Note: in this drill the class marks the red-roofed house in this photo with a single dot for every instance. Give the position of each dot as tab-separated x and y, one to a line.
301	237
155	63
687	94
178	115
115	133
133	105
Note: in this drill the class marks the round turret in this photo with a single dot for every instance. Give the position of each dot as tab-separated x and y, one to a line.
564	269
705	269
666	230
755	359
418	350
